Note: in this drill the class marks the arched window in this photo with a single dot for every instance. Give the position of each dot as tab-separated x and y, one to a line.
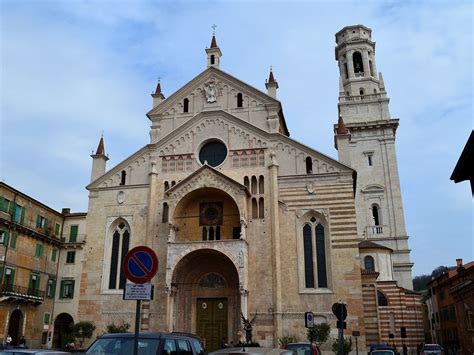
321	257
204	233
261	188
173	183
369	263
218	233
165	216
315	259
261	208
361	91
120	245
308	257
254	185
240	100
186	105
375	91
375	215
123	177
382	300
167	185
357	62
212	59
211	233
309	165
346	70
254	208
246	182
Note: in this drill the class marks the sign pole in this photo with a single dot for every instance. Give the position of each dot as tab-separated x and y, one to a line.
137	327
341	332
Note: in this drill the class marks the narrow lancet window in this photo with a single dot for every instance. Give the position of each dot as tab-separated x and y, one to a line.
308	257
186	105
309	165
357	62
123	177
240	100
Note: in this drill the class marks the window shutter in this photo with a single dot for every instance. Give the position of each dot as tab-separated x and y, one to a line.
38	221
53	288
72	288
56	229
13	241
53	255
12	277
1	273
46	223
73	234
12	208
22	218
61	289
3	205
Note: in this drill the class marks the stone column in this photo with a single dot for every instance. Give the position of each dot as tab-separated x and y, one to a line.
365	60
350	65
170	300
275	233
244	302
152	202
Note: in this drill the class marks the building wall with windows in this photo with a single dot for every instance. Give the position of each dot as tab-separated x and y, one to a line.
29	256
73	245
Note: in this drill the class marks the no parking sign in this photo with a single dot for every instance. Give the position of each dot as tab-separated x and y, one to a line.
140	264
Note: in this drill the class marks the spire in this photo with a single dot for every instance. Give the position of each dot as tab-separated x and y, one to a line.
341	127
271	85
382	84
158	88
214	42
100	147
158	96
214	54
271	78
99	160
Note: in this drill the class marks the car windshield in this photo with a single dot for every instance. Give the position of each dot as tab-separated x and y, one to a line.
431	347
300	349
123	346
382	352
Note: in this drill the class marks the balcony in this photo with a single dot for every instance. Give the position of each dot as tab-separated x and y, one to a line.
375	231
235	249
20	293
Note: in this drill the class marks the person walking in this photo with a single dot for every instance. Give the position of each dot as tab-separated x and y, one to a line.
8	341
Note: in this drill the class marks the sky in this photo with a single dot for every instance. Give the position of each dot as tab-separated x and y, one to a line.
70	70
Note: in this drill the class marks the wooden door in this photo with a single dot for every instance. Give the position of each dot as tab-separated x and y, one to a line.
212	321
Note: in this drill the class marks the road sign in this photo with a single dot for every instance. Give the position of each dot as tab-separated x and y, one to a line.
140	264
142	292
340	311
308	319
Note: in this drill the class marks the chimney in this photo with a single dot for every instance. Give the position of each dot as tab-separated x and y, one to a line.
66	211
459	262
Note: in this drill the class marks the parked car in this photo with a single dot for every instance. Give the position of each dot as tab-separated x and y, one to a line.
148	344
303	348
382	350
247	350
432	349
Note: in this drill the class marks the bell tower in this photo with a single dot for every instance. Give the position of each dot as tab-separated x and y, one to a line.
365	139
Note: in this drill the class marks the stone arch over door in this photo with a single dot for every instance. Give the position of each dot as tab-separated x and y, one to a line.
62	325
15	325
202	279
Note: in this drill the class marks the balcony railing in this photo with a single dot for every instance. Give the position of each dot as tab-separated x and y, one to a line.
20	292
374	231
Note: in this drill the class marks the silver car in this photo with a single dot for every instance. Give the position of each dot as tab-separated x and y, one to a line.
432	349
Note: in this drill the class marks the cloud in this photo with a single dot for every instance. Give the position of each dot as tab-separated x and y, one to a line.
72	69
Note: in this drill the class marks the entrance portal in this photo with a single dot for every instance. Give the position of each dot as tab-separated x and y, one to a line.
62	329
14	326
212	321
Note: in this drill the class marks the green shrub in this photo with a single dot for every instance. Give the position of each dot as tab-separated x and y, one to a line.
319	333
347	345
121	328
287	339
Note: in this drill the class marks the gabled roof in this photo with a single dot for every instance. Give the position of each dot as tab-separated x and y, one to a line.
196	80
213	171
365	244
118	167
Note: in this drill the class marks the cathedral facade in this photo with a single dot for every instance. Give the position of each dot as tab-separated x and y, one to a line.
246	220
